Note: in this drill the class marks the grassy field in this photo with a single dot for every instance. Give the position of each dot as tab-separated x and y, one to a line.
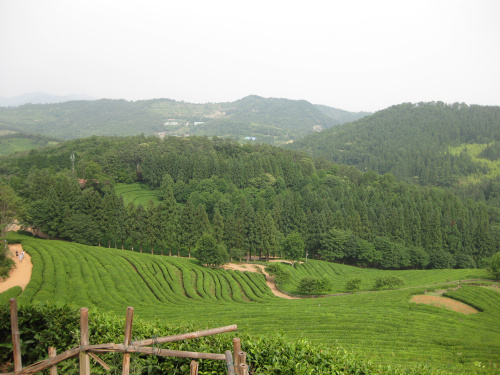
11	145
474	150
384	326
137	193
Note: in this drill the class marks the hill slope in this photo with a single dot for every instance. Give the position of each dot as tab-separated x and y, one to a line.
268	120
411	141
383	325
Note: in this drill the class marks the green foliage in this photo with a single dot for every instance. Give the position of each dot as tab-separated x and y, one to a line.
353	284
494	266
410	141
8	294
280	272
42	326
313	285
19	142
293	247
389	281
209	252
176	290
250	197
137	193
270	120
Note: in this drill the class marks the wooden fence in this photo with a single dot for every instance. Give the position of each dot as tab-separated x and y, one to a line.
85	351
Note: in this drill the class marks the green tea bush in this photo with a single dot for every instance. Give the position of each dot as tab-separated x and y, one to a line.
42	326
281	274
353	284
8	294
389	281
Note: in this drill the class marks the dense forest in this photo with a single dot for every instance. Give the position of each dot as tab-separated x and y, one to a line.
412	142
267	120
249	198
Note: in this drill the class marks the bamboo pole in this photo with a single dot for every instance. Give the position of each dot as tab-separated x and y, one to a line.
229	363
46	363
52	354
243	369
236	351
84	341
185	336
16	339
98	360
155	351
128	338
242	363
193	368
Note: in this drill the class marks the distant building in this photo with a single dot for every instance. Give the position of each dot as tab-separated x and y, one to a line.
161	134
171	123
199	122
250	138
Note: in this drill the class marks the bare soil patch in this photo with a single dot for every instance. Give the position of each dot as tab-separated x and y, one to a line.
444	302
21	274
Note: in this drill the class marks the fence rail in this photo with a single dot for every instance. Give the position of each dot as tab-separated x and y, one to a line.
237	366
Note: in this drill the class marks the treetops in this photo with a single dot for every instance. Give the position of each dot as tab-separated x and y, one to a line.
249	198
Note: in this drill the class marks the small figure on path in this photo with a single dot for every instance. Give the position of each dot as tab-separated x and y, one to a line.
17	254
21	257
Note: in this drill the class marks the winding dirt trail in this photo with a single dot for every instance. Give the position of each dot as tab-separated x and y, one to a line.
21	274
259	268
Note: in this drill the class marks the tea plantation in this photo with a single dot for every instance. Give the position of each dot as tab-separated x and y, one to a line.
384	326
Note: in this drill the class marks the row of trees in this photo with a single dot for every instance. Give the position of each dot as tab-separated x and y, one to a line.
250	199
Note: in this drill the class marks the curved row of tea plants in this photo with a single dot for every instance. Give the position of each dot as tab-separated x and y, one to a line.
338	274
55	326
382	326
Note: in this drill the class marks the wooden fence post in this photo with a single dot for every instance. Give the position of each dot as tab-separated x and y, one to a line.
242	367
193	369
52	354
229	363
84	341
16	340
128	339
236	356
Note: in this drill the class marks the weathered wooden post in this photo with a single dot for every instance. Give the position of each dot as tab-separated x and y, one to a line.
16	340
229	363
193	370
128	339
52	354
84	341
236	356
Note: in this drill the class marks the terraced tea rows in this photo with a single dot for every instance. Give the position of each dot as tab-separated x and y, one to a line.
137	193
110	278
384	326
338	274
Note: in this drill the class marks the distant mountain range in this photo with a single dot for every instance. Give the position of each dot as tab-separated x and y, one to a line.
253	118
39	98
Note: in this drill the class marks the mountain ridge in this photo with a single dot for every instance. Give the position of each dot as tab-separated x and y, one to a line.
265	120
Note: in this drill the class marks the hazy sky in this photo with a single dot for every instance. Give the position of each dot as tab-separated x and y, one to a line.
354	55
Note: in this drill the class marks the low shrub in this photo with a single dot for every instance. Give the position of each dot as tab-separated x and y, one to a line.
388	281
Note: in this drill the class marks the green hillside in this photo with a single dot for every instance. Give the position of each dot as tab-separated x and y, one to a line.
411	141
12	142
251	197
384	326
267	120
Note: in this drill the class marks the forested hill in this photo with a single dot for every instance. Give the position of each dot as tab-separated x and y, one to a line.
265	120
424	143
249	198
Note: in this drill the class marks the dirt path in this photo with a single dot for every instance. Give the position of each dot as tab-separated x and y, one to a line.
21	274
255	268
